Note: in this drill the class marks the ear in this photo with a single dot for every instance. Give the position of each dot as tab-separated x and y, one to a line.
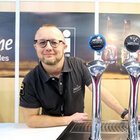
34	46
65	46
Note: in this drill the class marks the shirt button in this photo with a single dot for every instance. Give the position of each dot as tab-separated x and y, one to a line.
53	78
60	83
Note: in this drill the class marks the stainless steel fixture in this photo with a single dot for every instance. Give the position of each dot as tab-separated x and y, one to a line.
96	69
132	44
110	130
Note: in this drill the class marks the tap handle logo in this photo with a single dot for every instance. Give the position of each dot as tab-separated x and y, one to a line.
132	43
97	42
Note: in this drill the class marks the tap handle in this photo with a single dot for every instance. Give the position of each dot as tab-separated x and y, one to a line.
97	43
132	43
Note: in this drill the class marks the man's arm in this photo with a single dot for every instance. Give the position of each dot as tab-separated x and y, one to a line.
110	100
33	119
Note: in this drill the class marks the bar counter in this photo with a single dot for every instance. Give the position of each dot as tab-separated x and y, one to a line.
17	131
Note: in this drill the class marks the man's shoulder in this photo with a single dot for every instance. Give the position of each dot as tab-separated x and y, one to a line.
31	74
75	60
76	63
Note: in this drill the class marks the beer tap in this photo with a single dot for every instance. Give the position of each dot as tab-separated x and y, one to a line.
96	68
132	44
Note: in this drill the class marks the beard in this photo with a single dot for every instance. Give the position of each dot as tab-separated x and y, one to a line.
51	62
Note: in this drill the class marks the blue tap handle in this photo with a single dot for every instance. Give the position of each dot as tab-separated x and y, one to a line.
97	43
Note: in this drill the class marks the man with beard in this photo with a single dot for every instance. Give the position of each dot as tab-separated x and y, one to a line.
57	84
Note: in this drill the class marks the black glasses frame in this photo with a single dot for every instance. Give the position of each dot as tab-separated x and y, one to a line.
43	42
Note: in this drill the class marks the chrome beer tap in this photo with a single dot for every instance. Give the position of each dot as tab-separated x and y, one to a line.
132	44
96	68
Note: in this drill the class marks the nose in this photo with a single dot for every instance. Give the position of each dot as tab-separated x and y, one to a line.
48	45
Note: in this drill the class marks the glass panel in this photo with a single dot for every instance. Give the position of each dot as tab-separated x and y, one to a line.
117	21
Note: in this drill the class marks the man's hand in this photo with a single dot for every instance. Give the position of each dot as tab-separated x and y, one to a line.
126	117
79	117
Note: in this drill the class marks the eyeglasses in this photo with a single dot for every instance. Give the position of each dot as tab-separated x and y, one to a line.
43	42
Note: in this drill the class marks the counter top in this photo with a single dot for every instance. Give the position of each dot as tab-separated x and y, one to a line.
17	131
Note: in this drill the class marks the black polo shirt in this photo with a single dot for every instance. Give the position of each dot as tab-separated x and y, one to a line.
63	96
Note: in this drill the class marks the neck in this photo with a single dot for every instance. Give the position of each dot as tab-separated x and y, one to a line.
54	70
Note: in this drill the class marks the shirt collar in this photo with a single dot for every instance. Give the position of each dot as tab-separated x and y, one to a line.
45	76
66	67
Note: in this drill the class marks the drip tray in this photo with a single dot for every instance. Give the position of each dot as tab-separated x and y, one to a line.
107	127
110	130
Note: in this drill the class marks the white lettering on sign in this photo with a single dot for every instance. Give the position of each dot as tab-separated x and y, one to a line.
5	44
4	58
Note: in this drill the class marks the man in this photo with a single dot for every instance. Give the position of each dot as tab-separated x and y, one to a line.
57	84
